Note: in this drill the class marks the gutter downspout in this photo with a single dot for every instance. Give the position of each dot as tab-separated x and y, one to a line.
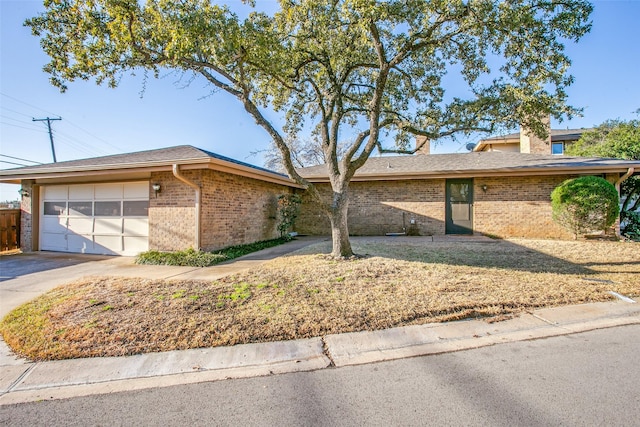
630	172
177	174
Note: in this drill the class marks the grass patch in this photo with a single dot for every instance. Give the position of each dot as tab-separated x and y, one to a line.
306	294
193	258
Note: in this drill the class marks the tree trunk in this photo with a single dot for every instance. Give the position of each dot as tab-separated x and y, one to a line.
339	227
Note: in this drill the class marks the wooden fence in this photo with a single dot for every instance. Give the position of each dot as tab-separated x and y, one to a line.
9	229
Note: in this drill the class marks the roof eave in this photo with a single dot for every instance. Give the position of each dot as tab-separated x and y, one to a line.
515	171
14	177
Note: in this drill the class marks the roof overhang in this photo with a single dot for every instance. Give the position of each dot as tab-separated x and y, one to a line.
481	145
481	173
136	170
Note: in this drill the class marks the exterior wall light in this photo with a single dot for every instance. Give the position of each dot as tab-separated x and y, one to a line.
484	187
156	189
23	192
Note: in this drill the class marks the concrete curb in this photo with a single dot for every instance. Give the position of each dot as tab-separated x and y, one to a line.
46	380
79	377
367	347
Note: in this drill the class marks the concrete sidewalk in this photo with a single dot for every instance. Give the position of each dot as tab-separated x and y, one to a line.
27	382
24	277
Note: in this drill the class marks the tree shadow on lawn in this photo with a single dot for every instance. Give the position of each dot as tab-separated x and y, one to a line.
487	253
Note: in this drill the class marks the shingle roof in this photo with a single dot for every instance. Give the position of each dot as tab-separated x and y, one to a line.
474	164
158	156
142	162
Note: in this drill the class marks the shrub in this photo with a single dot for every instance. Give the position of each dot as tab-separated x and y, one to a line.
186	258
193	258
288	209
586	204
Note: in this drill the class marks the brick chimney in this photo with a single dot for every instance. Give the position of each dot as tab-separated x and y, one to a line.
530	143
426	148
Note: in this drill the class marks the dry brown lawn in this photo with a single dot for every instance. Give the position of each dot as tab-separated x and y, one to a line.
397	281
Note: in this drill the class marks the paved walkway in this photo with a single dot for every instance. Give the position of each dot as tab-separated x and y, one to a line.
23	381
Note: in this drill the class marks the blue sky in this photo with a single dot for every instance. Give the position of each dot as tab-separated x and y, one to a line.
99	121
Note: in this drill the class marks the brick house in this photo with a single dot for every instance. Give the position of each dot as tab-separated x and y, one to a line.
495	193
502	188
166	199
180	197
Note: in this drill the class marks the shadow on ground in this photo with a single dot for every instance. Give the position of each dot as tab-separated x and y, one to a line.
16	265
480	251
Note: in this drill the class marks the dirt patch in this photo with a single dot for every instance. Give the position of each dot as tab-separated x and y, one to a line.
396	282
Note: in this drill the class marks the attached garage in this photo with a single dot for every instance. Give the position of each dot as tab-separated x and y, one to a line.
166	199
109	219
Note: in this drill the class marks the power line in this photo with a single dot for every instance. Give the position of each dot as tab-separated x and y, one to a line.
26	103
84	144
18	158
14	111
23	127
12	163
21	121
96	137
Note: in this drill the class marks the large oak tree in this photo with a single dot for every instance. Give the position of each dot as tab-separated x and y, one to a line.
361	71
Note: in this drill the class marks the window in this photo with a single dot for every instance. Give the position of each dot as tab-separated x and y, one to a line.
80	208
55	208
557	148
136	208
108	209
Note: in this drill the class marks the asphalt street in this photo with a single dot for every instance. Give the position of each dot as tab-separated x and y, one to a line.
590	378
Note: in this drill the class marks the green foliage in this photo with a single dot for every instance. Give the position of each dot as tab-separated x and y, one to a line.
586	204
614	138
193	258
631	222
621	140
288	209
189	257
373	70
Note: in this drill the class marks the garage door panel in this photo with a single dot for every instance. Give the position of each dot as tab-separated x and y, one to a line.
56	192
107	245
81	225
137	190
54	225
54	242
107	226
79	243
135	244
108	192
136	227
81	192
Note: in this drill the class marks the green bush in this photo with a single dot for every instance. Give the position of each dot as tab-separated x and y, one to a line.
193	258
288	209
187	258
586	204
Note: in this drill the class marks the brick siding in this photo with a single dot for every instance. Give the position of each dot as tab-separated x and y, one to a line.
511	207
517	207
380	207
234	210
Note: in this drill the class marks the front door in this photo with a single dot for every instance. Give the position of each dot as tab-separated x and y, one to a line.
459	206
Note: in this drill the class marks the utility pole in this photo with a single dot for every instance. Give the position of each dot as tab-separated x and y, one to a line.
48	120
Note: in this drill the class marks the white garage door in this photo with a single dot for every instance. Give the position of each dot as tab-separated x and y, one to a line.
108	219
